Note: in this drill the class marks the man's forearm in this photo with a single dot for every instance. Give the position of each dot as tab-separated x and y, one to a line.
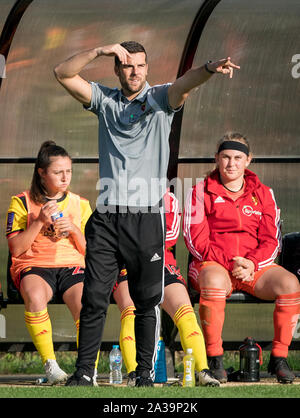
195	77
72	66
181	88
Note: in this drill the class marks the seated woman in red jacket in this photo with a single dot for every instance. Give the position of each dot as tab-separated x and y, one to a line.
232	229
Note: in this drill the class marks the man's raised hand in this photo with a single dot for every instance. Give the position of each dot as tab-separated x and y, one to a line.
114	50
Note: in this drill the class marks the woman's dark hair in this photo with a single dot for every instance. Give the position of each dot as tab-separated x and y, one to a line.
132	47
48	149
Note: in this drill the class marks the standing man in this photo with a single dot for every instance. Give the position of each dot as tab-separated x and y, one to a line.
134	127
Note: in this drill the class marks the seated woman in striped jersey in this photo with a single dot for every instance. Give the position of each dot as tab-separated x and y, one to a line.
45	232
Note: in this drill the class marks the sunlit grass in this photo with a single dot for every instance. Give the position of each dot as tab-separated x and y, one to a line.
30	362
108	392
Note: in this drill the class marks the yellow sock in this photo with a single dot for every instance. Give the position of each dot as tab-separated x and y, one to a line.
40	330
127	338
77	342
191	335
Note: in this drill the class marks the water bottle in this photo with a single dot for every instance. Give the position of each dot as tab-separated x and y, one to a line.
115	366
160	366
250	360
189	369
56	216
41	380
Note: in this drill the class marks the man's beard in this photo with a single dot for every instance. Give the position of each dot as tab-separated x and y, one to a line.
133	88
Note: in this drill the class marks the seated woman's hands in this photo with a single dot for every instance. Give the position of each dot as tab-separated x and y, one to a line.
64	226
46	211
243	269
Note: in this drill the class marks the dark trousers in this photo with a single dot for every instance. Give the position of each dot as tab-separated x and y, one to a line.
115	239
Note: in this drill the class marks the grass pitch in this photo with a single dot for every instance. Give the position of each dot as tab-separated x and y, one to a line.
30	363
266	388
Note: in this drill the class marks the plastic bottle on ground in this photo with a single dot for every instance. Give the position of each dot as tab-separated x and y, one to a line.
189	369
250	360
160	366
115	366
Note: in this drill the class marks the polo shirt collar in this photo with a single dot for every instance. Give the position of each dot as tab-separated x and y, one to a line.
140	97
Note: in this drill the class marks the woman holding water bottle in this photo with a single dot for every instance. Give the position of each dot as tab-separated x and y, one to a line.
45	232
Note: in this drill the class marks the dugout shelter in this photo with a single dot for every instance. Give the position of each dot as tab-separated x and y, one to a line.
262	101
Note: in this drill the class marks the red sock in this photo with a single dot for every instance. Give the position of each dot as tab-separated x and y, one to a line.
286	313
212	313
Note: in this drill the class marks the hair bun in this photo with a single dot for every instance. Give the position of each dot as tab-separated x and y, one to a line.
47	144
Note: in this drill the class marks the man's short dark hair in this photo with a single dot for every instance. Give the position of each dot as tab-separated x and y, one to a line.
132	47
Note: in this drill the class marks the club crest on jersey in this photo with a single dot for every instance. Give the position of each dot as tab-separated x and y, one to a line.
255	200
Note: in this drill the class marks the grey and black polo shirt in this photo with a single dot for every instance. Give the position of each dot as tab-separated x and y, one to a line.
133	144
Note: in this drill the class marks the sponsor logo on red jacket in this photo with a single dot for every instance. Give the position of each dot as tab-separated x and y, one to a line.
248	211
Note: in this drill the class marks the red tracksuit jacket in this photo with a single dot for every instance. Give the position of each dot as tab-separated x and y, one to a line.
216	228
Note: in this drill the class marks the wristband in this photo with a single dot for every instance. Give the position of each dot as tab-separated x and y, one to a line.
207	69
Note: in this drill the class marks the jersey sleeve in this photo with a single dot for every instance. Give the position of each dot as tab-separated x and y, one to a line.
99	93
16	219
86	212
158	98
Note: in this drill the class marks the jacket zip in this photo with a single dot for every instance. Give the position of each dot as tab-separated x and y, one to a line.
237	207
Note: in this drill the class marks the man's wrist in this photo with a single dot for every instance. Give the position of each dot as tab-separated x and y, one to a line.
206	66
98	51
